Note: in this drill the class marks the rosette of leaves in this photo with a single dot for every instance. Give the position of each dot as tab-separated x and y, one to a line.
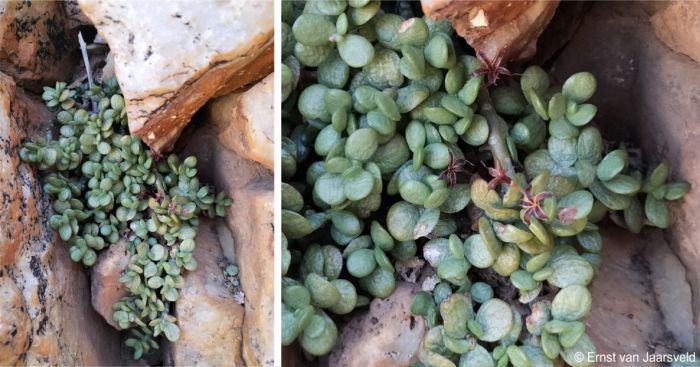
107	185
384	119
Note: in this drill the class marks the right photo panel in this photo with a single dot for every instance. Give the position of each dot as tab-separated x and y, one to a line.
489	183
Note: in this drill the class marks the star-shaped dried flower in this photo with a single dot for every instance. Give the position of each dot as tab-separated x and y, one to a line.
453	167
492	69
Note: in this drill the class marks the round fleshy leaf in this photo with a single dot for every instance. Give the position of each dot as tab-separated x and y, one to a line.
401	220
329	189
634	216
348	297
571	303
583	114
362	144
477	357
427	220
355	50
579	87
477	253
676	190
562	151
459	198
495	318
581	200
319	336
624	184
570	270
481	292
656	212
612	164
583	347
608	198
478	131
534	78
313	29
357	183
590	240
380	283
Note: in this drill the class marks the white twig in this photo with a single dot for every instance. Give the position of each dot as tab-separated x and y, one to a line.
86	60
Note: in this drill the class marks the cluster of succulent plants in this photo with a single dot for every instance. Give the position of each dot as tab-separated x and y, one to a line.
106	185
398	150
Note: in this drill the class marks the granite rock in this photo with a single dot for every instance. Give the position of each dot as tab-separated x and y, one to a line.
173	61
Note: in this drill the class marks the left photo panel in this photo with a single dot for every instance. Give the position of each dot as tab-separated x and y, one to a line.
136	170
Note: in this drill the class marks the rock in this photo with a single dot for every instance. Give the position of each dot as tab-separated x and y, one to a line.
209	317
246	121
668	279
15	325
510	29
387	335
37	46
678	25
659	90
250	220
75	17
561	28
625	317
45	296
174	60
653	6
106	290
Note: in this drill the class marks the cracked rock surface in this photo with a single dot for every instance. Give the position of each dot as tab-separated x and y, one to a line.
46	313
174	60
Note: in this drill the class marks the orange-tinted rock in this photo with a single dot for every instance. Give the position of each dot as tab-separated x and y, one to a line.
15	325
246	121
250	220
386	336
37	46
678	25
509	28
106	290
209	317
174	60
43	291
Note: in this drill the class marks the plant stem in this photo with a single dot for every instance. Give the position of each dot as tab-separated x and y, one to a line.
498	130
86	60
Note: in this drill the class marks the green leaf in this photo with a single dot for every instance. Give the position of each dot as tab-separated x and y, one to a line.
157	253
155	282
582	200
104	148
187	245
65	232
172	332
191	265
355	50
50	155
170	294
76	253
676	190
612	164
656	211
150	270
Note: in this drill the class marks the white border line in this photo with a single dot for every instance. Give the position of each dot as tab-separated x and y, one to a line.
278	185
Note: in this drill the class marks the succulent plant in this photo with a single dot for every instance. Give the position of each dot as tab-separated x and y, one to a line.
397	145
106	185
